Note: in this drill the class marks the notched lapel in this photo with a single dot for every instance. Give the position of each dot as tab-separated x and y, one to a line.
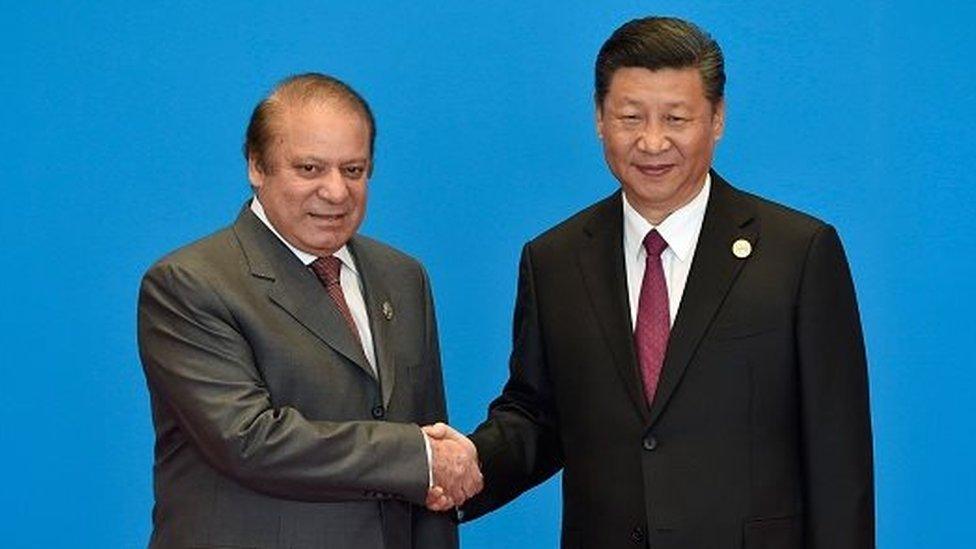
294	288
713	271
305	300
376	295
601	260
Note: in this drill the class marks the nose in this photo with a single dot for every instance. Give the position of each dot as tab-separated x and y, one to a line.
332	187
653	139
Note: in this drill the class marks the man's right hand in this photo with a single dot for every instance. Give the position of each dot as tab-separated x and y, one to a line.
457	476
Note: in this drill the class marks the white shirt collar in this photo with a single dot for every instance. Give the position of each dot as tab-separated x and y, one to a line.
680	229
306	258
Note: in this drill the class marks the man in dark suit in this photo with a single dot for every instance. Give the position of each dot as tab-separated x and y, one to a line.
291	362
688	354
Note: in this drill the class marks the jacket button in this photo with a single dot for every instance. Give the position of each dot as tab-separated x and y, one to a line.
637	535
649	443
378	412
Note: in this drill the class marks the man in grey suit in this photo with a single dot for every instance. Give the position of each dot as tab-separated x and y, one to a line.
291	362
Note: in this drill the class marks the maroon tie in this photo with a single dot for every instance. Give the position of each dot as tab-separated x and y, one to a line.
327	269
653	316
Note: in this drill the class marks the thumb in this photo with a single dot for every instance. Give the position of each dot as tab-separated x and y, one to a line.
437	430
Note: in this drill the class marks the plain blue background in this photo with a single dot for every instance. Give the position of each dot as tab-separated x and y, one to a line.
121	130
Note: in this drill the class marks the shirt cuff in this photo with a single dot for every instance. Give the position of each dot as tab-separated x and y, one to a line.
430	461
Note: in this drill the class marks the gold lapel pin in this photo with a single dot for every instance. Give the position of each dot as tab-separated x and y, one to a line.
387	310
741	248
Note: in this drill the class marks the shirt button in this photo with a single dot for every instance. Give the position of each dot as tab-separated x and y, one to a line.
649	443
378	412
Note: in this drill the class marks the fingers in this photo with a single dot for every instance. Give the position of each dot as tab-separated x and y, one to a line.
455	468
457	471
473	482
442	431
437	500
454	462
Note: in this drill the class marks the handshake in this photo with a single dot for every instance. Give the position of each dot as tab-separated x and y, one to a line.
454	464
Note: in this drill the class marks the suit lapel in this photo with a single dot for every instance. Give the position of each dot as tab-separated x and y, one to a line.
601	261
380	312
294	288
713	270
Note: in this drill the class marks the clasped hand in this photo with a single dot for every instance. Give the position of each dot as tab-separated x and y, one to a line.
457	476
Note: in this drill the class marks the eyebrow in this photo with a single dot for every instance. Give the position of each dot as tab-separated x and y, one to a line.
308	158
627	101
359	160
320	160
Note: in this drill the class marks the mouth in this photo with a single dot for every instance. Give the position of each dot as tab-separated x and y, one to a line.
654	170
327	218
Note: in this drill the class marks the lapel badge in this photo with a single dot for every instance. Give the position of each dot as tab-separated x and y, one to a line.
387	310
741	248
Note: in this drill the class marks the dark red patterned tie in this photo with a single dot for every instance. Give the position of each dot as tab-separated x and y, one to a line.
653	316
327	270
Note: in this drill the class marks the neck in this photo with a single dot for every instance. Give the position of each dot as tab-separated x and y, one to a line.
654	217
655	214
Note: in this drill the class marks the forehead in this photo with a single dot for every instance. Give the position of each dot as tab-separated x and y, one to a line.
313	115
671	86
323	124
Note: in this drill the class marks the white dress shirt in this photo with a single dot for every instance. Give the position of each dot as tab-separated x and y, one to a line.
352	286
680	230
352	290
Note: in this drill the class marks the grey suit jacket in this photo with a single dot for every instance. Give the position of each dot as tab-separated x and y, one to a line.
271	429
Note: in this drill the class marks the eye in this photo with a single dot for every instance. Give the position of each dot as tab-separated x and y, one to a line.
308	169
353	172
630	120
674	119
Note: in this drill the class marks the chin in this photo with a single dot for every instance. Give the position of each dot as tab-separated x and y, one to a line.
654	193
332	244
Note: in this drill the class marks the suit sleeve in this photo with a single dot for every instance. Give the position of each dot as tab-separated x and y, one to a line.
199	366
437	411
433	529
519	445
835	420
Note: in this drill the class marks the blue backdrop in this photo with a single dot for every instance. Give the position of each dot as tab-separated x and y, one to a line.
121	131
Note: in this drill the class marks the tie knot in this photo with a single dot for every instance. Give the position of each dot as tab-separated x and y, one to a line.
327	269
654	243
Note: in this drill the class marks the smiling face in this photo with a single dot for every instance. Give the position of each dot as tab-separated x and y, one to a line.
312	183
659	133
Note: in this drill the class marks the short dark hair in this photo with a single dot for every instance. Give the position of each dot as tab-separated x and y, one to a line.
300	89
656	43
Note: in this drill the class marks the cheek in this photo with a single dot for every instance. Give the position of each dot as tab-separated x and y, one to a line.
696	144
617	149
293	208
300	197
358	193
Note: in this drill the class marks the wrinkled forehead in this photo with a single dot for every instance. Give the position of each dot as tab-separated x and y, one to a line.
291	114
319	123
666	86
